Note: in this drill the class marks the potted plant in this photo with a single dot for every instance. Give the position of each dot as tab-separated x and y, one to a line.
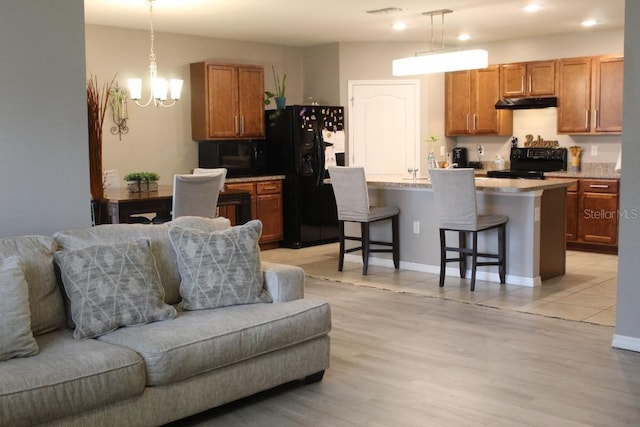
279	94
142	181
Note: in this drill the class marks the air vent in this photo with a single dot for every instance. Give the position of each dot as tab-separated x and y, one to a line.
385	10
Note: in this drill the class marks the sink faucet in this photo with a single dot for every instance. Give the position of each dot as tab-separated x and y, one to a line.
413	172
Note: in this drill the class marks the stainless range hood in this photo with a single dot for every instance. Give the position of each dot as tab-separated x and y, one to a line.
526	103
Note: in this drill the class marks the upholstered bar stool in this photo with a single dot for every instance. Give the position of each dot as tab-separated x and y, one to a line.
352	200
455	196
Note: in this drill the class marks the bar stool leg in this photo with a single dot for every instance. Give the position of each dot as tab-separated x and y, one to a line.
395	232
502	253
474	260
443	256
364	228
341	233
462	244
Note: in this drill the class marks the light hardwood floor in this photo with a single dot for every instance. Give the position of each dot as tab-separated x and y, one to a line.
405	359
586	293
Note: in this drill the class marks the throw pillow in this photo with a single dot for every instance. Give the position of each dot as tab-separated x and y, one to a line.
110	286
16	338
219	268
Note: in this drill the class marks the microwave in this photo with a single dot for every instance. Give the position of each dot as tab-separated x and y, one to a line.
240	158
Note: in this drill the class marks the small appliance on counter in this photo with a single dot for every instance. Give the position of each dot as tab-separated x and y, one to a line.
460	157
532	163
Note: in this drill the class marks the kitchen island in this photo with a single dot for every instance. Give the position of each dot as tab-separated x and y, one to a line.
536	240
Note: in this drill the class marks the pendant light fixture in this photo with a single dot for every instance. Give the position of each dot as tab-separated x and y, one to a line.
158	86
439	61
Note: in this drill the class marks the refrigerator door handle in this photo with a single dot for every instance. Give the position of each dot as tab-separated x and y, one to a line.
319	146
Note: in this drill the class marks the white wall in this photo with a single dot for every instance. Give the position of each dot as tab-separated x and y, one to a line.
627	333
44	160
159	140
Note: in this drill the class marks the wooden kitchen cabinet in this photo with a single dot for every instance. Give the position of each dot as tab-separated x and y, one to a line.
266	205
590	95
593	224
470	98
528	79
227	101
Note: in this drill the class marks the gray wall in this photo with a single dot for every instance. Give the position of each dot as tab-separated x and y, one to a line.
44	167
628	313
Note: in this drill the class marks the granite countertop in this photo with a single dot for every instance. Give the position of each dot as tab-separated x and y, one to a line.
482	183
588	170
254	178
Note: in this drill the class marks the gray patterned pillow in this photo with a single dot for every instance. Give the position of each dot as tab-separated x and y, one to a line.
16	338
110	286
219	268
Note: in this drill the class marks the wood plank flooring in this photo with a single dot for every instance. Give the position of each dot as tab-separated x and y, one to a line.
410	360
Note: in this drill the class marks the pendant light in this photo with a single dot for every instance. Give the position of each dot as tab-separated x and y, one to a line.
158	86
440	61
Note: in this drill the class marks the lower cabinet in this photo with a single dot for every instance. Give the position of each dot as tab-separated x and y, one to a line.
592	215
266	205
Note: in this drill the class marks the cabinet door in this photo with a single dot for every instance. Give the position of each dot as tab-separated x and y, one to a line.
250	101
572	215
485	93
251	188
541	78
512	80
222	114
457	102
574	95
598	216
269	208
609	72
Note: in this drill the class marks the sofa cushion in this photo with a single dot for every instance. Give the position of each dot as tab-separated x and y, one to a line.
45	299
16	339
110	286
203	340
158	235
219	268
66	377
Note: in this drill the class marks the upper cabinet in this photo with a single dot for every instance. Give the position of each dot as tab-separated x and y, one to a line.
227	101
590	95
534	79
470	103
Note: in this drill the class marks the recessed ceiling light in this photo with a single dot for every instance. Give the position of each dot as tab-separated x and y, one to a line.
464	37
399	26
531	8
588	23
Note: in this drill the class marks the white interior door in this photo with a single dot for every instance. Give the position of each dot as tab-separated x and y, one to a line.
384	129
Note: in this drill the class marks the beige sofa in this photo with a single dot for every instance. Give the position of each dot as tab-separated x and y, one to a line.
161	371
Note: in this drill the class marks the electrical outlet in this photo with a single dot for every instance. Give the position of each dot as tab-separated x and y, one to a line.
442	152
594	150
416	227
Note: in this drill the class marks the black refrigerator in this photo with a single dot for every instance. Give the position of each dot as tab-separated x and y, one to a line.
295	137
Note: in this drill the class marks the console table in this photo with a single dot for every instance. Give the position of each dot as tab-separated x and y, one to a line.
121	204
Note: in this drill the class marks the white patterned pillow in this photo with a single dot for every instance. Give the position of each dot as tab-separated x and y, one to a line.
110	286
219	268
16	338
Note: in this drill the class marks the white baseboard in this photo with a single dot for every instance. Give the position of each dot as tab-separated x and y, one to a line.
450	271
626	343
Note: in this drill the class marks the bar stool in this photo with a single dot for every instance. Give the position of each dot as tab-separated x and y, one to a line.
352	199
455	196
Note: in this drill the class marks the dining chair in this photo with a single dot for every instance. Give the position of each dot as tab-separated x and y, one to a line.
455	198
207	171
196	195
352	200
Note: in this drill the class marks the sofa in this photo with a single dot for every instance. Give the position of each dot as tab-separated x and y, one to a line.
142	325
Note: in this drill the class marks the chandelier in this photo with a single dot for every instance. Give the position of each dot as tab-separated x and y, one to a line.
430	62
159	87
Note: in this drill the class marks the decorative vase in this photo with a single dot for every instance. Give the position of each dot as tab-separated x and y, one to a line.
281	102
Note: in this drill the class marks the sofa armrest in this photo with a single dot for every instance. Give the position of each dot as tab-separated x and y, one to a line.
283	282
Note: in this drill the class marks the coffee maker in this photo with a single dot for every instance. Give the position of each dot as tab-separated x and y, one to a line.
460	157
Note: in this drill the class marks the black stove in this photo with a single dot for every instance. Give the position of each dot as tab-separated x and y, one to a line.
532	163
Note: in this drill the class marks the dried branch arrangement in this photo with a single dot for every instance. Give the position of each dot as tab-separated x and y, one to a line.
97	102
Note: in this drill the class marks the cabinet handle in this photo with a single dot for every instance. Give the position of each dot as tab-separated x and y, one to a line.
522	85
530	83
269	188
586	119
596	118
475	122
598	186
235	124
467	122
242	125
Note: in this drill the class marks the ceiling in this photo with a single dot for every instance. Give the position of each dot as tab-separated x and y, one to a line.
306	23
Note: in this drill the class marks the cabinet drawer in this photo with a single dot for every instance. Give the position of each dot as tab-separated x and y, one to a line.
599	185
242	186
269	187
